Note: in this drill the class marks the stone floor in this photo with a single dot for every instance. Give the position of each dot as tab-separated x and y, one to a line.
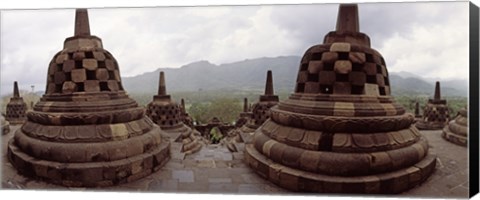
216	170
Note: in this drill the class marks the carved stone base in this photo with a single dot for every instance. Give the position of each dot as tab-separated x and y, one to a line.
453	137
304	181
89	164
186	136
422	125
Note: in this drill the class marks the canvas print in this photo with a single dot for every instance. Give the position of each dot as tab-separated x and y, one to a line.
325	99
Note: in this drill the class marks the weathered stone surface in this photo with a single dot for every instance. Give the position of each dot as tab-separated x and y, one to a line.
341	131
457	130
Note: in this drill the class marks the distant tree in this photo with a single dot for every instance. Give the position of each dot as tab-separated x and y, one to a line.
225	109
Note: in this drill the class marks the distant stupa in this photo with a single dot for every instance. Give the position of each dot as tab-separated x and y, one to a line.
435	113
169	116
260	110
341	131
16	108
85	131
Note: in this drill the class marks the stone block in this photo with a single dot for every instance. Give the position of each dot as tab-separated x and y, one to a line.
340	47
357	57
291	157
372	89
79	75
92	86
315	66
90	64
78	55
343	66
329	57
98	55
102	74
69	87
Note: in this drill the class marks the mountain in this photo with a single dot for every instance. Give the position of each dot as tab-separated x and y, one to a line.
203	75
249	75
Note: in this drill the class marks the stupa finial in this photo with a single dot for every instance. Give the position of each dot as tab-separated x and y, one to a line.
269	84
437	91
162	90
245	105
347	19
82	26
16	94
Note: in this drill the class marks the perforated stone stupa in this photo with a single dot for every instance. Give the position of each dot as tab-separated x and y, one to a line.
341	131
435	113
168	115
16	108
457	130
260	110
85	131
5	125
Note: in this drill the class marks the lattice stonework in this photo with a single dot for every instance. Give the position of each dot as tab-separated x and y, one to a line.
343	68
164	115
83	71
435	113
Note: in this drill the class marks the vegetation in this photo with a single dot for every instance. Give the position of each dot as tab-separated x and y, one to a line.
454	103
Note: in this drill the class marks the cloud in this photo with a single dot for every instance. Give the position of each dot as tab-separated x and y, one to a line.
414	37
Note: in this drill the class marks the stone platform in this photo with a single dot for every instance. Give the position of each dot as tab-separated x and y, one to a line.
214	169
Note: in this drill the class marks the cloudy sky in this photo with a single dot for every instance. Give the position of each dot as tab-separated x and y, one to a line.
427	38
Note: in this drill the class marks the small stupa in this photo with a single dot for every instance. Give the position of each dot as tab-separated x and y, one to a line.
435	113
186	119
244	116
341	131
5	125
85	131
260	110
16	108
457	130
418	116
169	116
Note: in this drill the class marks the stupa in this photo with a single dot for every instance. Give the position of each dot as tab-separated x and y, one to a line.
341	131
16	108
244	116
5	125
457	130
435	113
85	131
168	115
186	119
417	111
260	110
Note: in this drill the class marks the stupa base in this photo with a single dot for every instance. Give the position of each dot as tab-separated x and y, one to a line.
90	174
303	181
16	121
448	135
185	135
421	125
